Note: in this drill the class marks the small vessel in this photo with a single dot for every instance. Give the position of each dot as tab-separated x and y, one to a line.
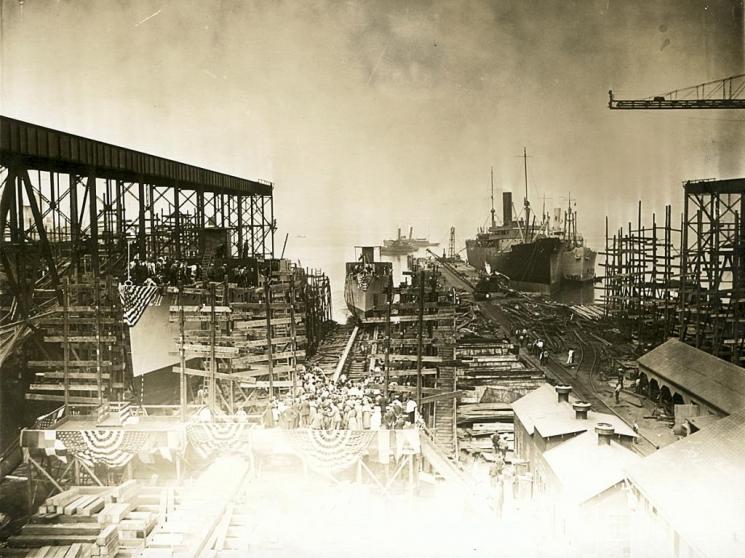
403	245
366	284
537	257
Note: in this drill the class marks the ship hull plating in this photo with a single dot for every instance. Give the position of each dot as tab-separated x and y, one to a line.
538	266
365	291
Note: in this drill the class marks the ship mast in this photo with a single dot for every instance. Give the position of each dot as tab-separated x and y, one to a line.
493	222
526	203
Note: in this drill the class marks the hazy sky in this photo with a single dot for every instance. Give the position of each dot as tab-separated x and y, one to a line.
368	115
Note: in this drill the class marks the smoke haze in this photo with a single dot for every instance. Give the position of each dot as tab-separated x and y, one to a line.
372	115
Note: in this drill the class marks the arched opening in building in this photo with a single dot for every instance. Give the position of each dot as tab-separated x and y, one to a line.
678	399
643	383
666	399
654	389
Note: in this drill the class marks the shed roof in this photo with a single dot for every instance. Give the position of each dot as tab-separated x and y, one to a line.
717	382
586	469
541	410
700	477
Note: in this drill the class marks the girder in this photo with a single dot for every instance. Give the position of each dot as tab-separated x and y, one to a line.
22	143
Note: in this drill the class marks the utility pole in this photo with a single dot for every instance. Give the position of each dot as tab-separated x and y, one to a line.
389	303
293	335
526	203
269	353
213	341
420	332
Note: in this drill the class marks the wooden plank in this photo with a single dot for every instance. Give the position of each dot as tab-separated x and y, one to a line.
401	372
262	370
71	364
410	358
236	376
72	375
249	324
201	318
249	359
402	319
203	309
412	389
275	341
219	349
442	396
71	387
79	320
261	306
265	384
81	339
61	398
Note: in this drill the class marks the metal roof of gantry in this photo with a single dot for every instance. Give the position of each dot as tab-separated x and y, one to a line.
46	149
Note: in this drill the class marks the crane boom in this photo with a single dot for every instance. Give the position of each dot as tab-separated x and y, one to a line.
726	93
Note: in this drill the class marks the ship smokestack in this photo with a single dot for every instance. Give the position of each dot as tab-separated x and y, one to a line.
563	393
411	233
506	208
399	233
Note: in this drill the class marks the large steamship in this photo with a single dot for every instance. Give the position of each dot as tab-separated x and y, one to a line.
537	257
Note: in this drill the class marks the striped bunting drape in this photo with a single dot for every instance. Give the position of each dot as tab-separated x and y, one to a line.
113	448
135	300
207	438
333	450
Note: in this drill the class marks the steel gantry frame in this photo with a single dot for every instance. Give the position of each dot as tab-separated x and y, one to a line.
79	208
712	289
67	193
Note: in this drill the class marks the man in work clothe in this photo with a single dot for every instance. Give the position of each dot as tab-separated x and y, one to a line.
570	357
617	392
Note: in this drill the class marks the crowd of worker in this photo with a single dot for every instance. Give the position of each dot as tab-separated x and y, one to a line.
537	347
323	404
166	271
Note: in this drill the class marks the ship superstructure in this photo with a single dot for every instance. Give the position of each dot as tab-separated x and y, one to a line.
536	256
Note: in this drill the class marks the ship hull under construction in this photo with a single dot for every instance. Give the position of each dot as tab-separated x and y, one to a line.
365	291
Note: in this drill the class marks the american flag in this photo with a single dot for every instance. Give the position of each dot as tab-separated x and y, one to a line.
135	300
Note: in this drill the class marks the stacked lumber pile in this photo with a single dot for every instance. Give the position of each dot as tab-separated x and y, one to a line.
483	360
484	412
107	542
90	521
477	422
76	550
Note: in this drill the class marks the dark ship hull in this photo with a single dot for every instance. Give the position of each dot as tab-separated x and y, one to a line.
538	266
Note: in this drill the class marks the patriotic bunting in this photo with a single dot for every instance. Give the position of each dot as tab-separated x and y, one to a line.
113	448
135	299
333	450
45	422
209	437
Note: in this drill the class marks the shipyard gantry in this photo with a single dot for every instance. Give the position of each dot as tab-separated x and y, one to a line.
683	277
